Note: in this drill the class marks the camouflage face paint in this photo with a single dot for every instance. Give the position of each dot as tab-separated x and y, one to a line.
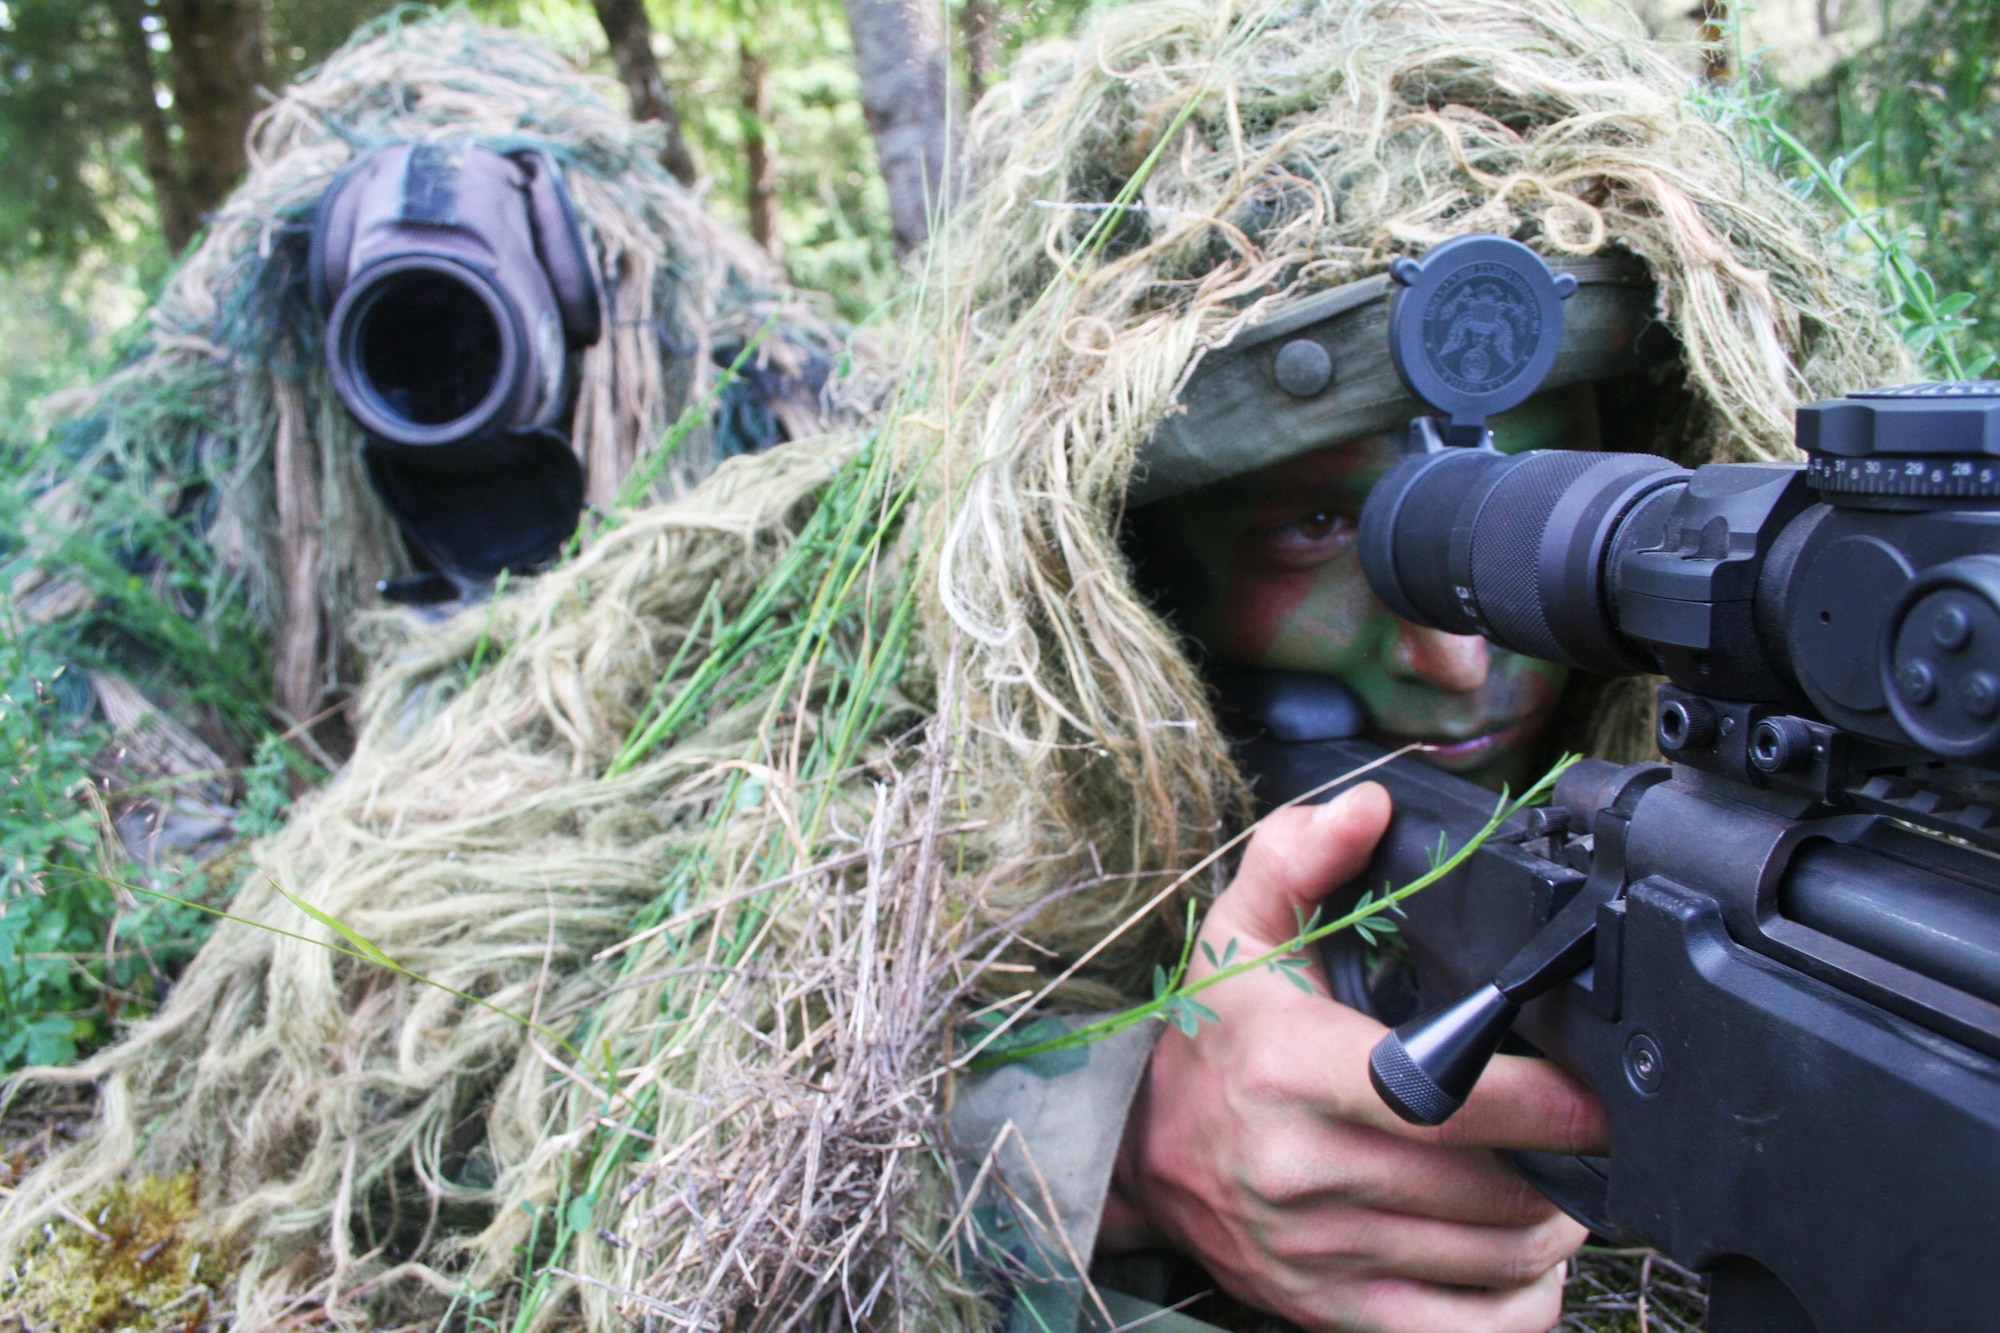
1281	587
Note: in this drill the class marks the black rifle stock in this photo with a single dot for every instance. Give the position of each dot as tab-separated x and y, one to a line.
1780	1120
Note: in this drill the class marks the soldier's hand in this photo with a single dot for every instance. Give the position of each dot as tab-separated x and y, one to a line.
1259	1147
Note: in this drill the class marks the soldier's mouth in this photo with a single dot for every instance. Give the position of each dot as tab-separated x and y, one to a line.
1460	756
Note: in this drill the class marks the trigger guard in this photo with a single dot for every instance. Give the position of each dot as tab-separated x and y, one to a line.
1580	1186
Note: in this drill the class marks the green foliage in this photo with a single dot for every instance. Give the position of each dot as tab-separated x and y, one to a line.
1911	126
1174	995
46	836
1933	326
78	957
267	790
54	319
74	960
68	175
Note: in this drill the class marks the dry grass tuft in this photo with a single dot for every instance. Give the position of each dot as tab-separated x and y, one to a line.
1632	1291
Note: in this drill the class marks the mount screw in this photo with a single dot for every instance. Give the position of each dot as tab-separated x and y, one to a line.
1645	1064
1980	695
1952	628
1303	368
1918	681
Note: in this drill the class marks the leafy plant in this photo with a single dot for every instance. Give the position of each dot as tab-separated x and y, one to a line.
1936	327
75	958
267	789
1174	995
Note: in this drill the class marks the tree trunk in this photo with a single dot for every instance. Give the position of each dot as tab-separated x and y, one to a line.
178	221
981	46
1716	64
217	62
900	54
759	161
630	33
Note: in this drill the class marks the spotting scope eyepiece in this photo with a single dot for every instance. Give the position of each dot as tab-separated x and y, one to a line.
457	289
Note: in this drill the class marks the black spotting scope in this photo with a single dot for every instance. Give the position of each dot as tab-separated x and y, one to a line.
458	290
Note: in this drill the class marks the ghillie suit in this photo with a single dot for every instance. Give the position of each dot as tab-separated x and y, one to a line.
215	476
750	806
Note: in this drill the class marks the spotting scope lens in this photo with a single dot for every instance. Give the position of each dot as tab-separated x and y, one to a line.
429	348
1515	547
459	292
428	353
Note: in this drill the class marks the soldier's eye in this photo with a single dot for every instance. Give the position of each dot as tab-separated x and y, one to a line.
1309	539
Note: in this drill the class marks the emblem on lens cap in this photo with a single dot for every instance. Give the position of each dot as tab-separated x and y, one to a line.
1476	328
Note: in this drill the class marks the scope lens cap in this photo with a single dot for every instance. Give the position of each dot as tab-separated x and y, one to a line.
1476	325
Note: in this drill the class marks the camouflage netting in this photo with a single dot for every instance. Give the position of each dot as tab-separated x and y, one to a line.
747	806
219	460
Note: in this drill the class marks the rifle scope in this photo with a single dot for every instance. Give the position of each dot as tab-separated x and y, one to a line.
457	288
1863	585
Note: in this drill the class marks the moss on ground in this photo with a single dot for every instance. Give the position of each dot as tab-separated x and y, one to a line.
130	1262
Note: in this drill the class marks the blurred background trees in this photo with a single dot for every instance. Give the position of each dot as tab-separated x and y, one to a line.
819	126
822	126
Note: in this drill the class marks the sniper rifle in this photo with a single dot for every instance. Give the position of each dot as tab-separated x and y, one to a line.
1776	958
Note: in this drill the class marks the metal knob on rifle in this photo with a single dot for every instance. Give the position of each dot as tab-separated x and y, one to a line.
1426	1068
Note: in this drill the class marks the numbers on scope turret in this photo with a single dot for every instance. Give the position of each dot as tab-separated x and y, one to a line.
1939	477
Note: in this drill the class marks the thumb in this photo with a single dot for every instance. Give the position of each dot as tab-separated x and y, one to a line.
1297	857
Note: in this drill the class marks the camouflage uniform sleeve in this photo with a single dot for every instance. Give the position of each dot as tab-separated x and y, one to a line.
1035	1144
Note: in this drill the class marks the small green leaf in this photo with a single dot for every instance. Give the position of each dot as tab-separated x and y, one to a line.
1298	979
362	945
1201	1011
1208	952
1159	981
582	1211
1229	952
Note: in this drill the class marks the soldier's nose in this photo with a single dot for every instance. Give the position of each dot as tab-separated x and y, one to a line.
1457	663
